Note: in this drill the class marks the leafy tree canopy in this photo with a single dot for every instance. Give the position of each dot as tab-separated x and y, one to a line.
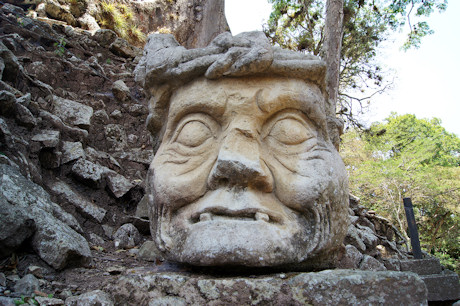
410	157
299	25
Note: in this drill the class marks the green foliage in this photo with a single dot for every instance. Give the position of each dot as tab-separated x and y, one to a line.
120	18
60	47
410	157
26	300
300	25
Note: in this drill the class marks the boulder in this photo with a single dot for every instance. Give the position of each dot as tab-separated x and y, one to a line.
84	207
127	236
72	112
53	240
96	297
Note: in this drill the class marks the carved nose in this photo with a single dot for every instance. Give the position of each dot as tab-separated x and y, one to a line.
239	164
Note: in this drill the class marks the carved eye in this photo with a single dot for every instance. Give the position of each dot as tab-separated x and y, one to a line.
290	131
193	134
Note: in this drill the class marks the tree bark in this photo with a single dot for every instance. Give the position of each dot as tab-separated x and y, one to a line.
332	50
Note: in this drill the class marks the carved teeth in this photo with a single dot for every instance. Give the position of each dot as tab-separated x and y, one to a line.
205	217
262	217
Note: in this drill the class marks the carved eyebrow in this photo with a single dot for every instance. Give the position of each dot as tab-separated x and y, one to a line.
308	101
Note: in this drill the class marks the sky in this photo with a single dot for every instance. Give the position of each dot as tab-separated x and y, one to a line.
426	80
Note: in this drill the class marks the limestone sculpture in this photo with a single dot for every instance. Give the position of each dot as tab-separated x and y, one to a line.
245	171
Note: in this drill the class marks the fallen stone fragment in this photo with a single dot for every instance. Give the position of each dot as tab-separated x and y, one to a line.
100	116
116	137
89	173
118	184
72	112
127	236
150	252
54	241
96	297
86	208
370	263
48	301
121	91
329	287
47	138
351	258
72	151
27	285
78	133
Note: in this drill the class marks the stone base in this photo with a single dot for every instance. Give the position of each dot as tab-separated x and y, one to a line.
329	287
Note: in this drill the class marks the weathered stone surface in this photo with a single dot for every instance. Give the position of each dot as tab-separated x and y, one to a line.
90	173
105	37
442	287
59	12
370	263
118	184
54	241
47	139
330	287
89	23
350	259
139	156
121	91
353	238
122	48
72	112
149	252
127	236
96	297
227	142
116	137
72	151
86	208
48	301
100	116
27	285
423	266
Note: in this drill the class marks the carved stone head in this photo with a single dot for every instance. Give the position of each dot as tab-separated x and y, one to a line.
245	172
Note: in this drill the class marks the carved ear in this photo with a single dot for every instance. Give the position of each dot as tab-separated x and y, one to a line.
335	129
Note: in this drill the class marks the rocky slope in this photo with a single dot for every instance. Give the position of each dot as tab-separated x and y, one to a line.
73	157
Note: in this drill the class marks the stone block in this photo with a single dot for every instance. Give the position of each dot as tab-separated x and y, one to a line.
442	287
90	173
46	139
73	112
118	184
329	287
424	266
72	151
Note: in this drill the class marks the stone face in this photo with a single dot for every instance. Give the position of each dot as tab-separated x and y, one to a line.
73	112
96	297
329	287
53	240
245	172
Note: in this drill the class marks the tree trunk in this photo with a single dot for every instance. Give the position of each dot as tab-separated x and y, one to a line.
332	49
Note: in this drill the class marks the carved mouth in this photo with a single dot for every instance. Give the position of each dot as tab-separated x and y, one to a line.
208	216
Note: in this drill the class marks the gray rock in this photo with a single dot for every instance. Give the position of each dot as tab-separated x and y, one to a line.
351	258
105	37
442	287
168	301
57	122
122	48
354	238
92	298
54	241
7	103
116	137
95	239
329	287
72	112
367	236
370	263
84	207
89	23
46	139
108	230
392	264
48	301
2	279
137	110
118	184
116	114
136	155
89	173
149	252
27	285
142	209
11	63
59	12
6	301
121	91
24	116
100	116
72	151
127	236
423	266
